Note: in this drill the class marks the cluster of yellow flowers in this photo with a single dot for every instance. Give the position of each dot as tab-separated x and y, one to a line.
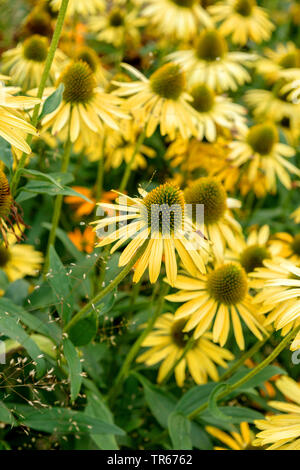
224	143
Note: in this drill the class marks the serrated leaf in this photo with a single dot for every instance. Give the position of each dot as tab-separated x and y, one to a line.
39	176
5	415
53	101
180	431
75	369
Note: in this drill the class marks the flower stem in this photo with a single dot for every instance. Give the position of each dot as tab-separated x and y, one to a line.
252	373
58	203
256	347
91	305
100	173
127	172
48	64
124	371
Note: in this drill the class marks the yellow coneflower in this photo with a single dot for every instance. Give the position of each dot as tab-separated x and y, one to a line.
285	57
278	283
243	20
214	112
273	104
242	440
219	298
26	62
259	148
81	7
282	431
167	343
89	56
210	62
38	21
178	18
117	25
159	217
19	260
287	245
86	105
255	249
159	100
219	225
120	146
13	127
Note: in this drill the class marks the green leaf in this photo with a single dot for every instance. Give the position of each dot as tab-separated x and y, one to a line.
257	380
5	415
234	415
180	431
52	102
194	398
63	421
97	408
39	176
5	153
63	237
84	331
212	402
61	286
75	369
9	327
160	403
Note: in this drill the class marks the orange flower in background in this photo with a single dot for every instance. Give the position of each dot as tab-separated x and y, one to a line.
83	241
81	206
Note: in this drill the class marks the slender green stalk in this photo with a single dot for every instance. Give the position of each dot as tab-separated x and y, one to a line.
256	347
91	305
252	373
127	172
48	64
187	348
58	202
124	371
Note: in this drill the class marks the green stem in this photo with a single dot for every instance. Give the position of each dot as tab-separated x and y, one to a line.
58	203
91	305
48	64
256	347
124	371
127	172
252	373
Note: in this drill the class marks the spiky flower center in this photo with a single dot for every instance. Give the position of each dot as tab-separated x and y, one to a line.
179	337
35	48
211	45
204	98
116	18
79	83
165	209
295	245
209	192
262	138
88	56
185	3
168	81
228	284
5	196
244	7
253	256
4	256
290	60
